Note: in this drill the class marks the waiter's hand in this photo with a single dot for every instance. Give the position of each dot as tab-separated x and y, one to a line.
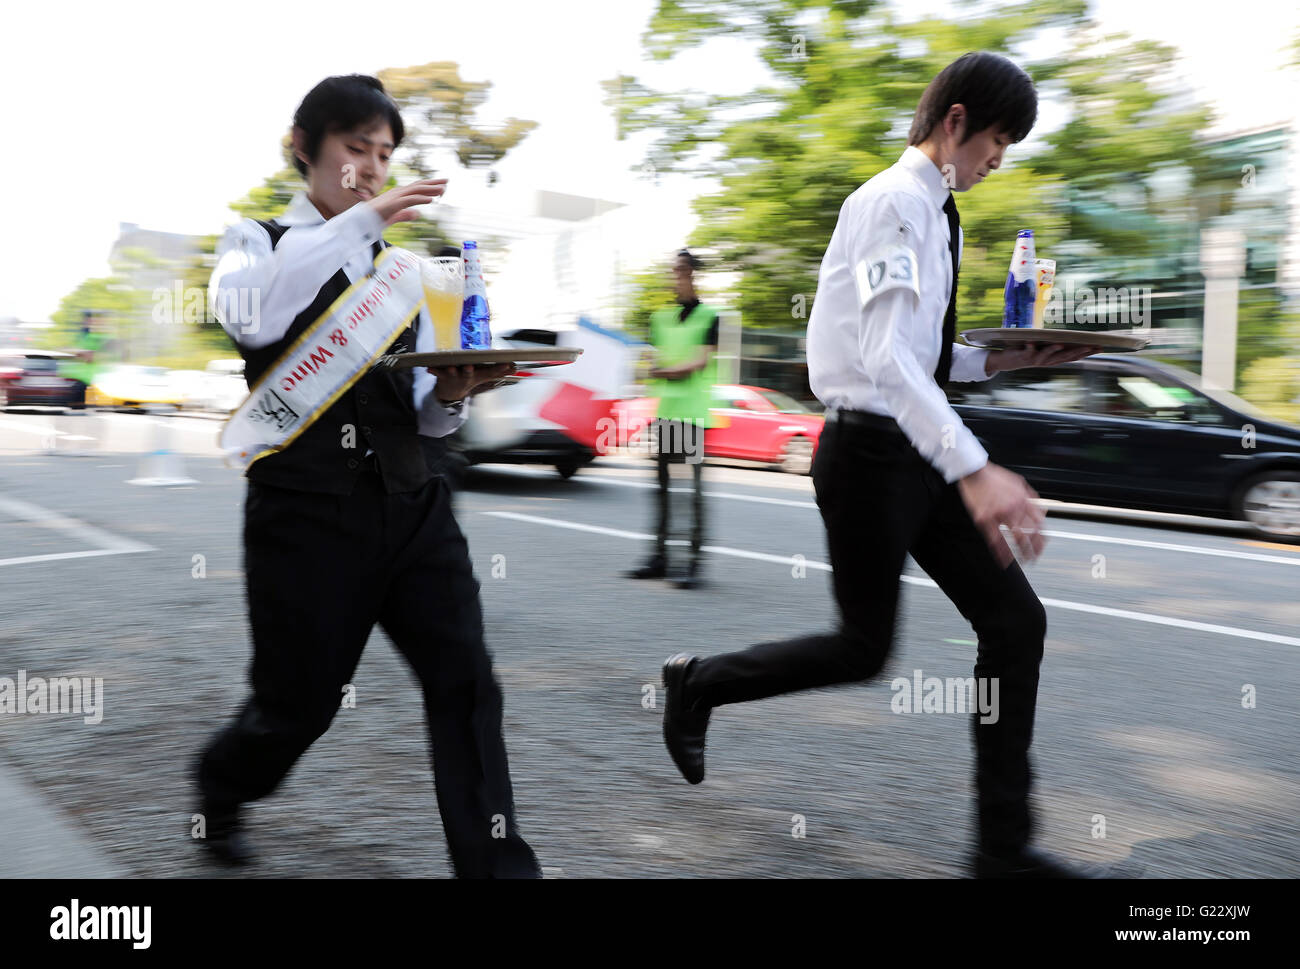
456	383
994	497
395	205
1036	355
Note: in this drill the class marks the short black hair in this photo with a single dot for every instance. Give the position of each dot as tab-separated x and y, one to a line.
994	91
343	103
695	261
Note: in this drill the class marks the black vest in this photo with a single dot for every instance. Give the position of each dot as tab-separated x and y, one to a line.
378	407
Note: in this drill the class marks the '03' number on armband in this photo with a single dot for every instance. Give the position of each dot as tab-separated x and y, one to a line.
891	268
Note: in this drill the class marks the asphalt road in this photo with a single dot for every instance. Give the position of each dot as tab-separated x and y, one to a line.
1153	635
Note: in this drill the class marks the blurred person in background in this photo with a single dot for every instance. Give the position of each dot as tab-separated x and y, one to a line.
897	472
685	338
340	536
92	347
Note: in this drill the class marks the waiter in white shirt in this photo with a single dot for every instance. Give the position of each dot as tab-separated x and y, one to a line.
897	472
345	523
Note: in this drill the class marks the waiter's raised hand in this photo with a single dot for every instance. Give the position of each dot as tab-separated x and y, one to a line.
994	497
396	205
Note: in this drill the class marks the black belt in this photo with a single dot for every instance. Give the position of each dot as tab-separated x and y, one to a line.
862	418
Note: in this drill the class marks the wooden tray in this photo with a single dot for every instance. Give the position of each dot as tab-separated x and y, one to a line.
532	357
1005	337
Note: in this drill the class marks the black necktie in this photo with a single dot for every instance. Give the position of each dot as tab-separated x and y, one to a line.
950	317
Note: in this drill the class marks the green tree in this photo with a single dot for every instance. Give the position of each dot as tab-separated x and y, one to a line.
846	79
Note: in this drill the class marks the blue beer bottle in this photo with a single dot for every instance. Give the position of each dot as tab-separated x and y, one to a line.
1022	283
475	333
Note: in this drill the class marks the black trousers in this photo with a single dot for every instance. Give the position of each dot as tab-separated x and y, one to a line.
880	500
679	443
321	570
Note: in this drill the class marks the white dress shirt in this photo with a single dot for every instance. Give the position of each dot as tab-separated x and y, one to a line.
881	357
288	278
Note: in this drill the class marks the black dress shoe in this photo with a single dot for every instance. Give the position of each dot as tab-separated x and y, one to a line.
226	840
690	579
1031	862
654	569
684	728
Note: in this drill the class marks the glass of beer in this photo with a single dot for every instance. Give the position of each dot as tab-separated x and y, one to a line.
1045	272
444	293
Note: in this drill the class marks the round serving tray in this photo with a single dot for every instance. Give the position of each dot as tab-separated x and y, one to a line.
1005	337
532	357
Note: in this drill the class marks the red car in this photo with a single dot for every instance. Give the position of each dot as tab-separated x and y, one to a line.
756	424
32	377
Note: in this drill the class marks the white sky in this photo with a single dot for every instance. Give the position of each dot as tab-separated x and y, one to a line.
161	113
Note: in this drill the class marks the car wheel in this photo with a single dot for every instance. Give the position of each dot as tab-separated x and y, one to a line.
797	455
568	469
1271	503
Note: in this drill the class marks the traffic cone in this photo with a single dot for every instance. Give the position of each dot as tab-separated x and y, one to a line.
162	465
66	436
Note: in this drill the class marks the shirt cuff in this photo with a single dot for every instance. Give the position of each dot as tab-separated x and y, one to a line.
968	363
438	419
362	223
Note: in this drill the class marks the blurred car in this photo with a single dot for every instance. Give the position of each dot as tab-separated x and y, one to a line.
224	387
755	424
1130	432
192	385
134	386
551	415
32	377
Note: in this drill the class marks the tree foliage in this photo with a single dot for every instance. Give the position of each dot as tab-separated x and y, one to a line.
846	79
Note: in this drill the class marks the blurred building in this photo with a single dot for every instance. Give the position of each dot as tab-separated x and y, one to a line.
16	333
1247	199
152	265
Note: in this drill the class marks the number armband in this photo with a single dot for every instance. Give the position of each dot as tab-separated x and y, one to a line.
891	267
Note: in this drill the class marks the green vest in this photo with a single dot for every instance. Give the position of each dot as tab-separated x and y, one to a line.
678	342
86	371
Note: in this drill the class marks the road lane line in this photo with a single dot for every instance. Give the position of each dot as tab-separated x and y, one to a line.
55	556
185	423
1131	614
109	544
1071	536
1194	549
45	430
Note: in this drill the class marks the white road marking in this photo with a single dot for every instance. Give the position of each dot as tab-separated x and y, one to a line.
45	430
109	544
196	425
1070	536
919	580
1194	549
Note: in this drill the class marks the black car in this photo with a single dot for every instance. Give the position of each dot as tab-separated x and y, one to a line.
1126	431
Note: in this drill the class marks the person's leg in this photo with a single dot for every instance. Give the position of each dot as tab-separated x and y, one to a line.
696	457
1010	625
663	454
869	490
432	614
311	608
656	567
